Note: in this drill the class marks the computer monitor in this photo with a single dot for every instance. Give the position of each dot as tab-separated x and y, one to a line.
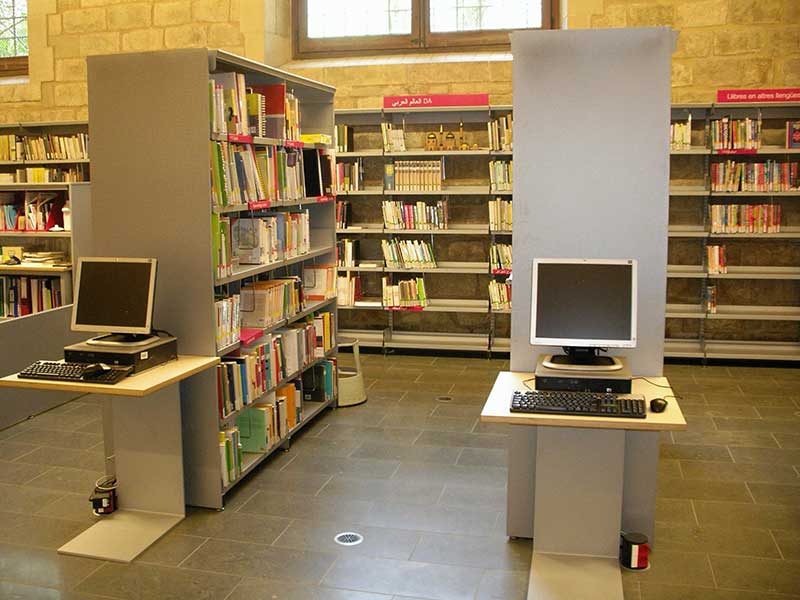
584	305
115	296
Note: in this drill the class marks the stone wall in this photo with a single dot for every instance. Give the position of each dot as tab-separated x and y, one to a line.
721	43
62	33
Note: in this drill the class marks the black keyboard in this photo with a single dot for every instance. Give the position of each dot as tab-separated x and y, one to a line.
578	403
66	371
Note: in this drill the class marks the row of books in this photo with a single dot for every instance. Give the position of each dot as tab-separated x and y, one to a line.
347	252
44	147
244	376
242	174
264	239
415	215
711	299
500	295
501	133
268	422
343	138
413	175
24	295
768	176
264	111
348	289
736	134
408	254
745	218
269	302
37	211
343	216
501	175
716	259
350	176
228	313
500	215
74	174
680	134
500	257
404	294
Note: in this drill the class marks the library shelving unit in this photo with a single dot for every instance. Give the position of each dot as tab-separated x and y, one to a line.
151	175
750	310
459	315
37	168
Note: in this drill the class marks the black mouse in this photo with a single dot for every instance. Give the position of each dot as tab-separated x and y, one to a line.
658	405
94	369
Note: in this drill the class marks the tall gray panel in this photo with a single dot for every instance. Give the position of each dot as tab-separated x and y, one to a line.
150	154
591	143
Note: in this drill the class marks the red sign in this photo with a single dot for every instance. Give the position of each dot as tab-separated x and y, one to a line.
759	95
435	100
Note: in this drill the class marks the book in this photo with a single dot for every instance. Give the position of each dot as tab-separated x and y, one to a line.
501	138
500	295
500	256
716	260
415	215
793	134
768	176
319	281
680	134
745	218
735	134
414	175
348	289
501	175
408	254
500	215
408	293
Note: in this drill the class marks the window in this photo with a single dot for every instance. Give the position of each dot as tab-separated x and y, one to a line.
333	27
13	37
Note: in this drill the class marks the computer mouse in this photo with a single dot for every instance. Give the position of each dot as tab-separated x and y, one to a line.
94	369
658	405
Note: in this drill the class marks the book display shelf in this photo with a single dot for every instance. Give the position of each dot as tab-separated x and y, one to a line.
242	222
44	172
733	289
415	188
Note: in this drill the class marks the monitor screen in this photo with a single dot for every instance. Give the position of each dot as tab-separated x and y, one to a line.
114	295
584	303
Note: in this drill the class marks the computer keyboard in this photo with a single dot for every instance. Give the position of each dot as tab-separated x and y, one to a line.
579	403
67	371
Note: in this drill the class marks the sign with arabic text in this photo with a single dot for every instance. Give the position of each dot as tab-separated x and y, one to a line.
435	100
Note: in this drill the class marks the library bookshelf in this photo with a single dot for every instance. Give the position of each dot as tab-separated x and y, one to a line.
458	315
750	309
158	203
43	167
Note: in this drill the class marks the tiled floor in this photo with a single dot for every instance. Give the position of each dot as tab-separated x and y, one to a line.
423	480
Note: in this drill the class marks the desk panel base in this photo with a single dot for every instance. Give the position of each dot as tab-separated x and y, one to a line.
570	577
121	536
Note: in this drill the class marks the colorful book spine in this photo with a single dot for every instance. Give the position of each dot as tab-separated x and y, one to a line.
680	134
409	293
500	295
716	260
415	215
500	215
500	257
736	134
408	254
228	321
745	218
26	295
768	176
501	175
414	176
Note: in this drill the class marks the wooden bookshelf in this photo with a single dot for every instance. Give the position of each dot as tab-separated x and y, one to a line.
761	266
471	323
167	207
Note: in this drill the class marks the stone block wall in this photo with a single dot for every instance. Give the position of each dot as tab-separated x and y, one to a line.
62	33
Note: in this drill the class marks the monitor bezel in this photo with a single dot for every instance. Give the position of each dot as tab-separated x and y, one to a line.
575	342
97	328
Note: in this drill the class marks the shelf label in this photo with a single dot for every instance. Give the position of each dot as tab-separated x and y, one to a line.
404	308
240	139
261	204
436	100
738	151
293	144
759	95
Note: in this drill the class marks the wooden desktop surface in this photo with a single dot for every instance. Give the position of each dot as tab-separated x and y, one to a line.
497	407
139	384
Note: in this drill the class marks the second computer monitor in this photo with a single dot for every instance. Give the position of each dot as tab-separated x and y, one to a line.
584	303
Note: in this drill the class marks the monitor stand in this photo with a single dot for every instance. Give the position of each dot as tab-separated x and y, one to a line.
582	359
123	339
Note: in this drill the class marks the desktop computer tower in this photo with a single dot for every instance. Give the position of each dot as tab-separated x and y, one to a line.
140	357
615	382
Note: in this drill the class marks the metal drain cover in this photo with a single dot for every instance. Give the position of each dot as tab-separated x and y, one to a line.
349	538
444	398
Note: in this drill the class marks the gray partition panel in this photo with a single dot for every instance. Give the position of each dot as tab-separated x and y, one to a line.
592	167
592	181
24	340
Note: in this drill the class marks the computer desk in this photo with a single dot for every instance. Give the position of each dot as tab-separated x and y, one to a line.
580	474
145	426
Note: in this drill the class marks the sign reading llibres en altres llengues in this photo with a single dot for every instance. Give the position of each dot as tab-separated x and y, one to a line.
759	95
435	100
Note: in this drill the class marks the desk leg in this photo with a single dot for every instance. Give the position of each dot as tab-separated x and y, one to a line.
576	526
521	475
148	460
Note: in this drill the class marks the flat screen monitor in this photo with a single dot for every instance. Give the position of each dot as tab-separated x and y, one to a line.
114	295
585	303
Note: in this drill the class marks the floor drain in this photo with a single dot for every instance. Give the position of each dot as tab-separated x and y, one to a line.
444	398
349	538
